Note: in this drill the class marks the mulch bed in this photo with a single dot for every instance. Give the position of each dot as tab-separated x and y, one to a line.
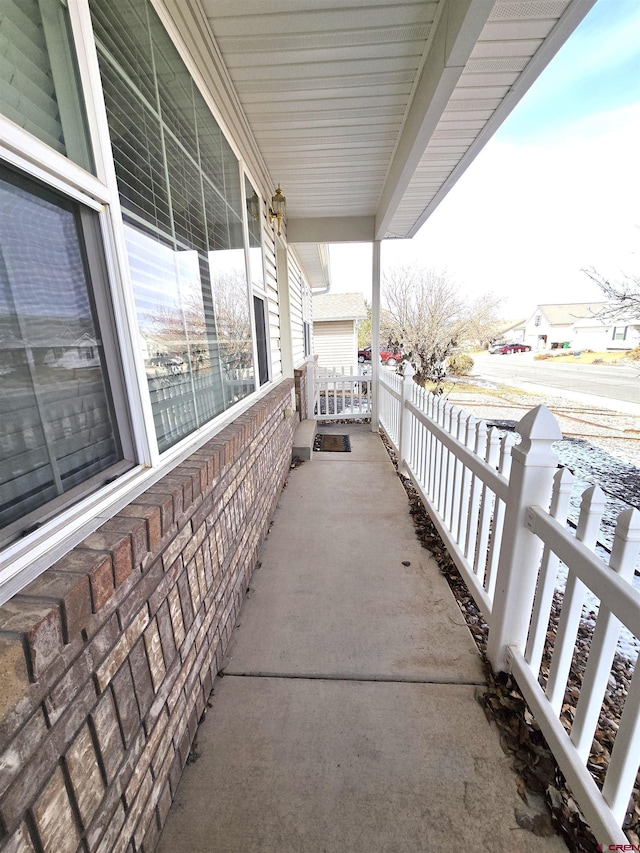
533	762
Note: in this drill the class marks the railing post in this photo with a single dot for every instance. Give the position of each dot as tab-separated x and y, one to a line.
404	427
532	468
311	388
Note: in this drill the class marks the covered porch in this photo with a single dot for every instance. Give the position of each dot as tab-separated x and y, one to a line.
346	718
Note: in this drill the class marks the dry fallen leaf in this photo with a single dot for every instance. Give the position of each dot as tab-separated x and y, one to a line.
521	787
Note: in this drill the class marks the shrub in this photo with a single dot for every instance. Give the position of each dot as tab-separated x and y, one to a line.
634	354
598	361
541	356
459	365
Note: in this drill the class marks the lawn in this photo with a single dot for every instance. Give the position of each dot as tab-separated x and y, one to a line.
585	357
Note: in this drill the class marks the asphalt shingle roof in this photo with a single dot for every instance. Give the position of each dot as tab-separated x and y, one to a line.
566	313
339	306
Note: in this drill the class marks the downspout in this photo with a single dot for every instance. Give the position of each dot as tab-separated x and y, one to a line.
324	259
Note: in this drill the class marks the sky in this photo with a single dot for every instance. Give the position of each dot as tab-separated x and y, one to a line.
555	191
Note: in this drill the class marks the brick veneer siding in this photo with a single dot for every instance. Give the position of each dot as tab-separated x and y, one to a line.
300	379
107	660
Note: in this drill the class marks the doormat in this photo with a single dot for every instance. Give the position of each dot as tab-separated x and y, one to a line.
332	443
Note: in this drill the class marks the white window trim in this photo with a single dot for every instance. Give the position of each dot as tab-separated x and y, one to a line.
25	152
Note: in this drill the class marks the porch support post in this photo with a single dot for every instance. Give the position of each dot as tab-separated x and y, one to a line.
375	336
286	343
530	484
311	387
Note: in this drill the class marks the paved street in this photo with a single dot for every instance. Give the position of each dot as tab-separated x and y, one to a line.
607	382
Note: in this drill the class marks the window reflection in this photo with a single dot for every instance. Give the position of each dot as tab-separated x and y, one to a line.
254	208
195	332
57	429
229	286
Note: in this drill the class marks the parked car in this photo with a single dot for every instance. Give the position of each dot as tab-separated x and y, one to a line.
389	357
165	364
507	349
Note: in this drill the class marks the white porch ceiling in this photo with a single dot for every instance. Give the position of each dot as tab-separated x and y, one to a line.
368	111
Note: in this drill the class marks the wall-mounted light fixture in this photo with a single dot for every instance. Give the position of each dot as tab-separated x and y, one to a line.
278	208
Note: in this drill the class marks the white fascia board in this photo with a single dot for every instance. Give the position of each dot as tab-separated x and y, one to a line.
315	270
572	16
348	229
456	34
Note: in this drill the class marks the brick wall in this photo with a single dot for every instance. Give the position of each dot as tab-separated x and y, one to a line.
107	660
300	380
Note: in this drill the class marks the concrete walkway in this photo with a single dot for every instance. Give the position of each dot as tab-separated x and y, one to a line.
346	720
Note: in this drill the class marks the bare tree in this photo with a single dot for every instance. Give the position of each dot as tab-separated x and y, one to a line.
201	325
429	319
623	297
364	327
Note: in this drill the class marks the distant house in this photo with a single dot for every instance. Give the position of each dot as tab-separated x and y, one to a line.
622	333
511	331
335	317
552	326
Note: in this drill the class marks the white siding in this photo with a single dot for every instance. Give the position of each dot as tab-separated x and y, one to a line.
555	334
273	306
297	286
335	344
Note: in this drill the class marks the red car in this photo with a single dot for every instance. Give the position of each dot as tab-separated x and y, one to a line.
389	357
507	349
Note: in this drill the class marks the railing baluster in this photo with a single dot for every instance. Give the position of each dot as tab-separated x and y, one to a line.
432	446
504	466
476	488
626	544
623	766
465	487
454	426
457	479
592	507
437	452
486	507
423	402
444	457
563	484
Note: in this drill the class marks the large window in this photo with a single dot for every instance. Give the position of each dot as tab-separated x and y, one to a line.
180	190
58	433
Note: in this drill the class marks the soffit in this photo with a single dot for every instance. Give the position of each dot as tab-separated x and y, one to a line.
374	108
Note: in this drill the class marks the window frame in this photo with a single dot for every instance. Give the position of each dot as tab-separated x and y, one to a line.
619	335
256	292
91	249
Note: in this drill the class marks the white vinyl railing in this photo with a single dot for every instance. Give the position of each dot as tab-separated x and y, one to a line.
501	509
342	395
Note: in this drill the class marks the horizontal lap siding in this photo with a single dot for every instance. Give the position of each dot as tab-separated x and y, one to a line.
107	659
335	345
273	305
297	288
